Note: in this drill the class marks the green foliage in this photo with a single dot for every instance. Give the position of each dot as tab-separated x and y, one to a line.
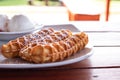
49	0
12	2
24	2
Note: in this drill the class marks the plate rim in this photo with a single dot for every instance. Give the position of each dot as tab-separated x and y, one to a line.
37	27
47	65
54	64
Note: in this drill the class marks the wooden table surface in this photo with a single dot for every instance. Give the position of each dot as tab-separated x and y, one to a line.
104	64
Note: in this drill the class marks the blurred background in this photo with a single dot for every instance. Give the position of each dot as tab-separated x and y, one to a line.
43	11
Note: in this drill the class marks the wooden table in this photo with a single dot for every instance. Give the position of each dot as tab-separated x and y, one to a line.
104	64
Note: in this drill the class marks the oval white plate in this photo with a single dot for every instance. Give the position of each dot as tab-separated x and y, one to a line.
6	36
18	63
21	64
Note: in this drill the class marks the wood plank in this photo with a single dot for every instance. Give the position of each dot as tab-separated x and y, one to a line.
87	26
103	57
73	74
104	38
96	26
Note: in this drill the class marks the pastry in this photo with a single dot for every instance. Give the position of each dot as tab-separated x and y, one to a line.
54	51
12	48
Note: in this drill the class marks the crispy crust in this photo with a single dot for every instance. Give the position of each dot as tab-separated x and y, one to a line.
12	48
55	51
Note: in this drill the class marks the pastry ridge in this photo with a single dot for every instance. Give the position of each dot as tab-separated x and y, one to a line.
56	37
55	51
12	48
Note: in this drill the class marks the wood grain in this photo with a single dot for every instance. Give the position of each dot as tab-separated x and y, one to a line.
73	74
103	57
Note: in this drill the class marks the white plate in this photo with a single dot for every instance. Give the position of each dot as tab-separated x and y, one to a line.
21	64
79	56
6	36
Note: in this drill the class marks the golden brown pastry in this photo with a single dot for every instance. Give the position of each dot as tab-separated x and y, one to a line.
55	51
55	37
12	48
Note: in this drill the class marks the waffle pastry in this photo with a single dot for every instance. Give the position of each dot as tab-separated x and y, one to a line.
55	51
43	38
55	37
12	48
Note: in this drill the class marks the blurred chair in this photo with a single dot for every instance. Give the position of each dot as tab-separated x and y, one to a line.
83	10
